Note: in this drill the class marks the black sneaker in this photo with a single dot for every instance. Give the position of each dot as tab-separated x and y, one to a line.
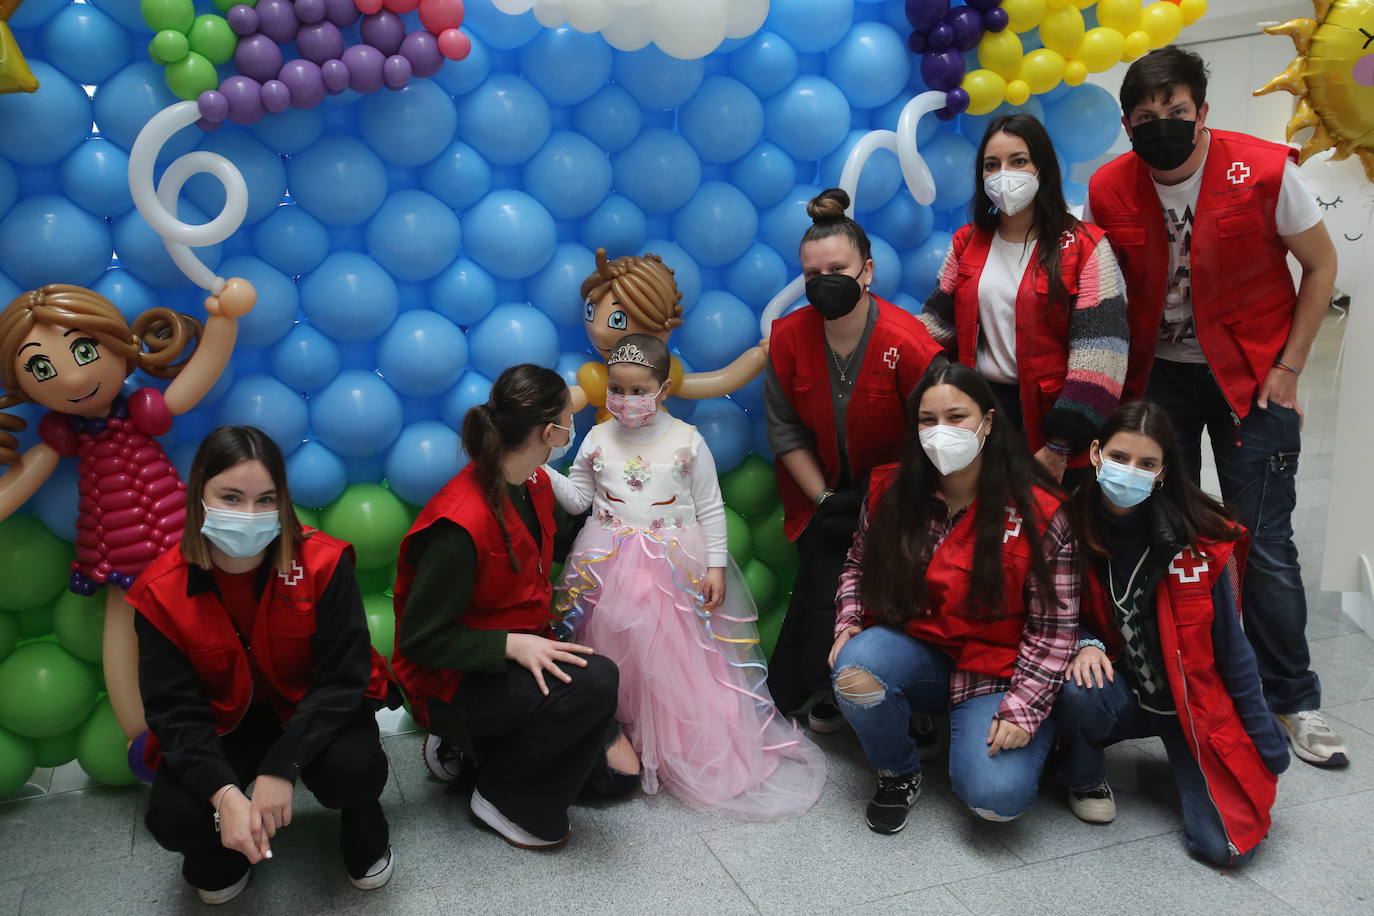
443	760
894	798
925	729
825	718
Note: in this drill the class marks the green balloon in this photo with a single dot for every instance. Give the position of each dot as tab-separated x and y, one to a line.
212	38
763	584
17	760
53	752
9	633
737	531
34	563
770	624
373	581
35	623
79	623
372	519
224	6
168	47
308	517
44	691
101	748
168	14
191	76
770	544
381	624
750	489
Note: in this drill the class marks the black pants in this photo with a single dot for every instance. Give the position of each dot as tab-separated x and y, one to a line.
534	752
1009	404
349	774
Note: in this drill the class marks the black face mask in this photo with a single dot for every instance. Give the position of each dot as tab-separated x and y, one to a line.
1164	143
833	295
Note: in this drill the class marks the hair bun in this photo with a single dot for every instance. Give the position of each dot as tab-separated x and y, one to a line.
828	206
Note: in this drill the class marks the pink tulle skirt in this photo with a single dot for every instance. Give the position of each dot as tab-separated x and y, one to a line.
693	694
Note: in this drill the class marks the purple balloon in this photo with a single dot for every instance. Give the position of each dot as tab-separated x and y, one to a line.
983	6
310	11
940	37
384	31
277	20
306	84
320	42
364	64
335	75
342	13
422	50
956	100
258	56
967	25
244	96
924	15
916	41
213	105
276	98
942	70
396	72
243	19
209	126
995	20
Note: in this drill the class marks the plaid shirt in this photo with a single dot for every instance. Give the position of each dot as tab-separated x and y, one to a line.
1047	643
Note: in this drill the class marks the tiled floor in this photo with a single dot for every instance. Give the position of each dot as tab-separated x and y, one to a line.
69	849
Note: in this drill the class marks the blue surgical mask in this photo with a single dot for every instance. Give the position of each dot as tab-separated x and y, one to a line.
241	534
1125	486
558	451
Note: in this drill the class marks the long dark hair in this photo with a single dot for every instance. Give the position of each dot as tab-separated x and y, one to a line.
523	398
1052	216
892	583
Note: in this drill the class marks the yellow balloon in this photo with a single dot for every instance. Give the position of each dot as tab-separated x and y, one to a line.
1137	44
1192	10
1075	73
1058	4
1122	15
1100	49
986	90
1162	21
1083	4
1018	92
1023	15
1001	52
1062	30
1041	69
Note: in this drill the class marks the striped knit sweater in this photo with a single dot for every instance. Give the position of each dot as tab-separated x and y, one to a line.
1098	339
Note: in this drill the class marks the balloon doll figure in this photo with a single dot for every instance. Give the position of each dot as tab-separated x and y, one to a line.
636	294
69	349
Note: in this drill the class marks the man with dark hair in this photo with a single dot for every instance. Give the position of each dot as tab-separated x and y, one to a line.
1219	336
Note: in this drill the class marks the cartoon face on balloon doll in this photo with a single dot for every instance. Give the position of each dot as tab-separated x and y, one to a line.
1346	198
636	294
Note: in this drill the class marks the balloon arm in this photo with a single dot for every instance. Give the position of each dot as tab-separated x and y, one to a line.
915	172
720	382
23	480
204	367
578	396
780	303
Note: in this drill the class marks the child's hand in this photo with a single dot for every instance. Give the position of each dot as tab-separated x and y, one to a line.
713	591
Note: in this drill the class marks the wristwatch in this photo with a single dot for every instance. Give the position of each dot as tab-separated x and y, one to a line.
823	496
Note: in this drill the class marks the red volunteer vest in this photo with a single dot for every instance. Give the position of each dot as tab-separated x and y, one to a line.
1243	296
502	599
982	646
1240	784
1042	330
899	352
200	626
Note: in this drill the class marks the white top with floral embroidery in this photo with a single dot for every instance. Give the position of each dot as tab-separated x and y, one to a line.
658	477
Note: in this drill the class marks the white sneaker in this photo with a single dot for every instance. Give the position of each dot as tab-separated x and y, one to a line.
1095	806
224	895
378	874
443	760
1313	740
510	831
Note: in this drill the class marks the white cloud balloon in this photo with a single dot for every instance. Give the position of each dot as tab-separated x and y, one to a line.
686	29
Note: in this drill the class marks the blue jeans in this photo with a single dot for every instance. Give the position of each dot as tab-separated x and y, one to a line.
1257	466
1090	718
913	677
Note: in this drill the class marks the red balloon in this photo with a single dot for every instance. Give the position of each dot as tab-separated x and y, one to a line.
439	15
454	44
368	7
402	6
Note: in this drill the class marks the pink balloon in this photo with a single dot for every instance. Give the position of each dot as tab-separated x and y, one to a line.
402	6
368	7
439	15
454	44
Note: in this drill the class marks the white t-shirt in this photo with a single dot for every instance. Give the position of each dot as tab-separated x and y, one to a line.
997	289
1296	211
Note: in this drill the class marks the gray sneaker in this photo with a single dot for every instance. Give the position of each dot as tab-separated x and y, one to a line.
1313	740
1095	805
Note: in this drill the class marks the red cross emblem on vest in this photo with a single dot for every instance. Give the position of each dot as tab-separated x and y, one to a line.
297	574
1238	172
1189	566
1014	521
1068	240
891	357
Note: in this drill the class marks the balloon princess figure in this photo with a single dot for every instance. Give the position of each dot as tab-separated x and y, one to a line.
70	350
636	294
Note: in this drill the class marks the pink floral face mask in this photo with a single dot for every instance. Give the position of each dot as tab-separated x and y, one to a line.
633	410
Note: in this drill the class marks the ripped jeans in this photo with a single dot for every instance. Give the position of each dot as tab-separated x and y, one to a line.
882	676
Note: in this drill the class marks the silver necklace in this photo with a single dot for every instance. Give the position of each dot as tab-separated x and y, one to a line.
842	368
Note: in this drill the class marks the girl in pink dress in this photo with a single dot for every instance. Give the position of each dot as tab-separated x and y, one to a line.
649	584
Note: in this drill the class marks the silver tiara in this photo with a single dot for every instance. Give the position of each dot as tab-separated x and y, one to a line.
629	353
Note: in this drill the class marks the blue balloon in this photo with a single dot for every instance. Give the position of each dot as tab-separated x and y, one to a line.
951	159
512	334
726	429
338	180
471	390
782	226
812	25
908	304
569	175
9	186
717	330
903	222
921	265
808	119
290	131
496	28
141	250
1075	193
96	177
717	225
305	359
686	273
33	14
459	77
350	297
424	458
724	120
505	118
871	65
261	168
974	126
766	64
611	118
85	44
291	240
129	294
887	268
1084	124
264	402
126	101
459	176
567	366
879	181
757	276
510	234
886	116
55	502
765	174
616	225
127	14
658	82
317	475
760	445
49	239
414	235
357	415
422	354
464	293
556	290
566	65
750	398
42	127
278	301
659	171
410	126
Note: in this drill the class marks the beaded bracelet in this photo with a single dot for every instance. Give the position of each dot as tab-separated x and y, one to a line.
1095	643
1063	450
